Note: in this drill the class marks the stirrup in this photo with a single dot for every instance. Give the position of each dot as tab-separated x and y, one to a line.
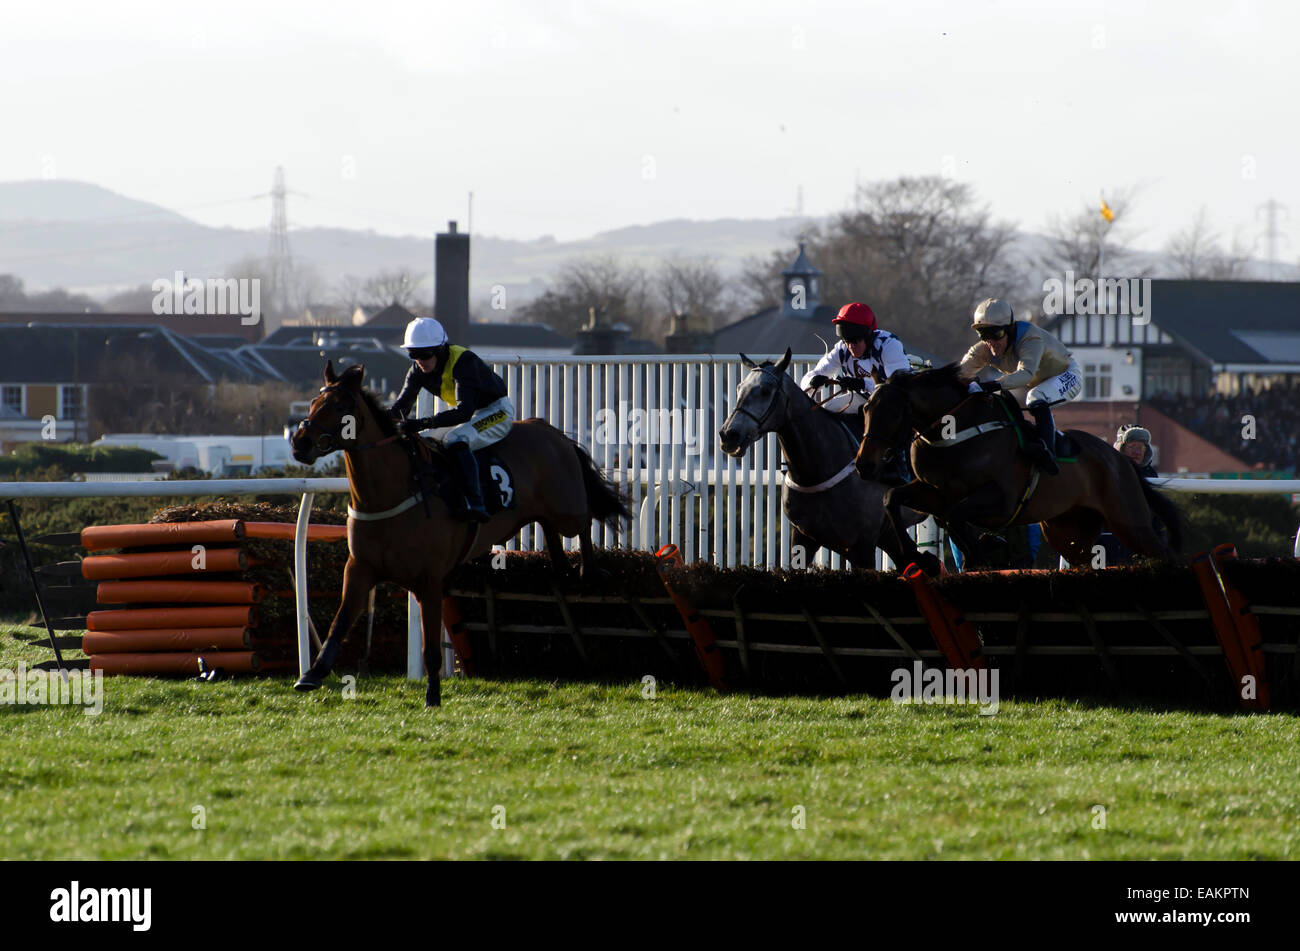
1043	457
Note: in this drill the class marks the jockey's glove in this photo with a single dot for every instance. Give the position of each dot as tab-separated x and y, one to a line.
413	427
851	383
990	386
819	381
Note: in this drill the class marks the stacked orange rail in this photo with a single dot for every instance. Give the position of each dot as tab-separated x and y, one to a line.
175	617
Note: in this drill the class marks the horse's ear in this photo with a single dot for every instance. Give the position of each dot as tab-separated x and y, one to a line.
354	374
330	377
784	361
750	364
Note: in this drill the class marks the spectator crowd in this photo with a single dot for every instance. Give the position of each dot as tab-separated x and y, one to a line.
1221	420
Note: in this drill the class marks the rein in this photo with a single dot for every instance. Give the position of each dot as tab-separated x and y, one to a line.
780	391
308	425
834	480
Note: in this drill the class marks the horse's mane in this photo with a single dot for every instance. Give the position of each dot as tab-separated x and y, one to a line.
947	375
384	421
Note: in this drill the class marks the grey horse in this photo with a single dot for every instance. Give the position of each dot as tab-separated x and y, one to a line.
827	505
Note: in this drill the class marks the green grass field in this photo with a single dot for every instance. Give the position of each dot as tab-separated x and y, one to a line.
589	771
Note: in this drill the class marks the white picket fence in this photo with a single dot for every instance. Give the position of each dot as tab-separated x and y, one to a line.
651	424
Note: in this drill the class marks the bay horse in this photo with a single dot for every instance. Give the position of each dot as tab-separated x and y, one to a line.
393	537
820	497
970	473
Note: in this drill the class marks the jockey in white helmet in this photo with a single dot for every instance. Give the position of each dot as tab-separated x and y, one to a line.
481	412
1027	356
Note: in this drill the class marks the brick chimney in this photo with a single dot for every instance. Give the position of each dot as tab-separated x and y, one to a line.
451	282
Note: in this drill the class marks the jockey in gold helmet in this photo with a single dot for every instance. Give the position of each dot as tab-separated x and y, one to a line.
1028	356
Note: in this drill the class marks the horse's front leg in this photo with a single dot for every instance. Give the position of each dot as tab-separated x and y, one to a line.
358	579
430	600
920	497
986	502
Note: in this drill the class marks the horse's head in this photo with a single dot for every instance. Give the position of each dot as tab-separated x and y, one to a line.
760	405
886	426
906	403
334	417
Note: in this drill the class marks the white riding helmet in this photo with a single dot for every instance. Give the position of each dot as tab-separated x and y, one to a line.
423	332
993	312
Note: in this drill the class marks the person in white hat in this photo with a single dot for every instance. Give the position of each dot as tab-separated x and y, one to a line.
1134	442
1027	356
481	413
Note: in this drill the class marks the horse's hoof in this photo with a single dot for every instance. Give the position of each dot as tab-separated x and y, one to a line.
929	564
306	683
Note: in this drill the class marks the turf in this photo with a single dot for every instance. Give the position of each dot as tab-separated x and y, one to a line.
600	771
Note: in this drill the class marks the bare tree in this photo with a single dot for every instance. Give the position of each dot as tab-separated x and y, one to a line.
400	286
134	300
696	287
1196	253
13	297
919	251
1087	242
349	293
619	289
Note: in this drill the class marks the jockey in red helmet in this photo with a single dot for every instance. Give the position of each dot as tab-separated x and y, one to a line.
863	357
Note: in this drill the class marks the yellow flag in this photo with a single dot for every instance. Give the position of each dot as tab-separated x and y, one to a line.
1106	212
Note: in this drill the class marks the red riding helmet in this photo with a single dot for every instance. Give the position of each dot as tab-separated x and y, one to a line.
856	313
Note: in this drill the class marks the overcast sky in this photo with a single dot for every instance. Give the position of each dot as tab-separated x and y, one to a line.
568	118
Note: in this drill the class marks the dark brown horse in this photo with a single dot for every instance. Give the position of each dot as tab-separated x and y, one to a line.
971	474
554	483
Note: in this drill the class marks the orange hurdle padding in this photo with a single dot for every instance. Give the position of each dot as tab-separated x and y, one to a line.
1235	625
182	592
153	564
184	664
953	634
706	647
99	537
1247	624
453	619
284	531
130	619
167	639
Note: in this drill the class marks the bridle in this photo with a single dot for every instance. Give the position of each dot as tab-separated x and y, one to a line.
323	441
919	431
780	393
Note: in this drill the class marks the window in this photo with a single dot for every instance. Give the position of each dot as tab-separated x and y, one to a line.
1096	381
71	403
12	396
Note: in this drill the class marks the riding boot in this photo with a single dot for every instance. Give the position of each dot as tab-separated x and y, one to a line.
1044	450
467	470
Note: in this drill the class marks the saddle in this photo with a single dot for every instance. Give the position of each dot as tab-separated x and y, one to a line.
435	477
1065	448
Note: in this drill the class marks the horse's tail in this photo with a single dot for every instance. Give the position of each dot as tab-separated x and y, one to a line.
1166	511
607	503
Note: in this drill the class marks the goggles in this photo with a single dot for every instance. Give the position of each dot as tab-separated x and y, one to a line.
851	333
422	353
991	333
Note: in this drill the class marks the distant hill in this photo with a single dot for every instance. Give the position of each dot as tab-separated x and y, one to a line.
85	238
56	200
88	239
